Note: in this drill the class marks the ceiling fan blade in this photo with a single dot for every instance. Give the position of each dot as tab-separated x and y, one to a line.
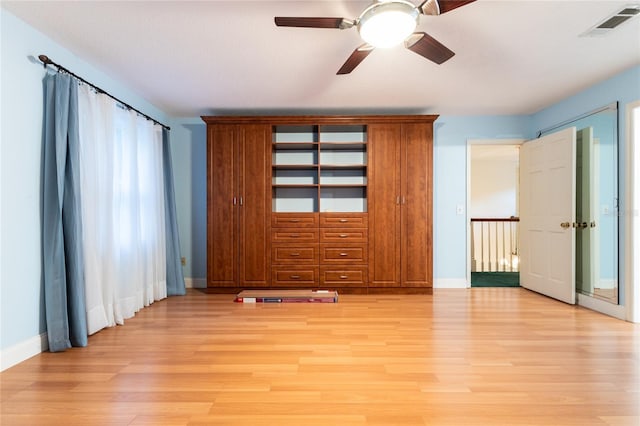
356	57
449	5
310	22
438	7
425	45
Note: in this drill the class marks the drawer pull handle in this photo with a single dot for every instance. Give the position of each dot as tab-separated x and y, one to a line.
295	277
295	254
344	277
344	220
344	254
343	235
294	220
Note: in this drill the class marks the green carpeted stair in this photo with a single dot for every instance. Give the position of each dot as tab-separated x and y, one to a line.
495	279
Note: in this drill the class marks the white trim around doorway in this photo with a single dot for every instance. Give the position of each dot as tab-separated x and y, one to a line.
632	217
468	200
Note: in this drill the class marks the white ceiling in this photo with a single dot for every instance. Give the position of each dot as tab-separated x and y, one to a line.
217	57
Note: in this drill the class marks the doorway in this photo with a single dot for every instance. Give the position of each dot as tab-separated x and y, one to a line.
493	237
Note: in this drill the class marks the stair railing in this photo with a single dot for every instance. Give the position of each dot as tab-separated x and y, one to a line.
494	244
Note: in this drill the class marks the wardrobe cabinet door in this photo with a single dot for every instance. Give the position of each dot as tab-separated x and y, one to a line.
222	249
384	205
255	206
416	167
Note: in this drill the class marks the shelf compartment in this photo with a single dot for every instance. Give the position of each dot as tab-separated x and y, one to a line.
295	167
343	185
342	176
297	185
343	157
302	146
295	198
343	198
294	157
295	176
343	133
295	134
343	146
343	166
319	168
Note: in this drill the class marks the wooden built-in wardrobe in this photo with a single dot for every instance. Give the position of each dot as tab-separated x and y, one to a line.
320	202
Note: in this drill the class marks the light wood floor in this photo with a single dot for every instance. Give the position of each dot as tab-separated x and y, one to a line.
485	356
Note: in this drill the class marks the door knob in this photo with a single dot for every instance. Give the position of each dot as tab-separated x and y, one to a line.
565	225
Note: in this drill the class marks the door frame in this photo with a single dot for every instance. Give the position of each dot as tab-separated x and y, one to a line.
632	213
471	142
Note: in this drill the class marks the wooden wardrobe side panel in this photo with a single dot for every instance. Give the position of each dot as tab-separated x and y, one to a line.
221	213
417	205
255	207
383	204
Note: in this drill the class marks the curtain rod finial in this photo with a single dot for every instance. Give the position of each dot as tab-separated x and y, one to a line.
44	59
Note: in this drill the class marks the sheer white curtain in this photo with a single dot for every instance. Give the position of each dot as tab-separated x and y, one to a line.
122	208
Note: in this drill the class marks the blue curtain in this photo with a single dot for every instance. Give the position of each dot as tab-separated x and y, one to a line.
175	277
63	263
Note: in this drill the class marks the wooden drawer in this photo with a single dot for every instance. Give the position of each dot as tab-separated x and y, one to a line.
288	220
343	253
294	253
294	235
294	276
330	276
344	220
348	235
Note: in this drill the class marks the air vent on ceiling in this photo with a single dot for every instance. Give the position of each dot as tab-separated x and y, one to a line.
613	21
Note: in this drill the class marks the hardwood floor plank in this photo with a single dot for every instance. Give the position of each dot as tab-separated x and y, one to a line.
483	356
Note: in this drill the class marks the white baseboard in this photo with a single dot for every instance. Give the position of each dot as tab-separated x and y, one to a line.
604	307
450	283
23	351
195	282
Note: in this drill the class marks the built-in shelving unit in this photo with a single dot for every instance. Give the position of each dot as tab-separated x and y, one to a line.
320	202
319	168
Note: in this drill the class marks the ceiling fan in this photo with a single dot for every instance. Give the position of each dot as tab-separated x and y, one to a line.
386	23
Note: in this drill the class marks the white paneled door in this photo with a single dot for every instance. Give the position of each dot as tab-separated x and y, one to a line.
547	215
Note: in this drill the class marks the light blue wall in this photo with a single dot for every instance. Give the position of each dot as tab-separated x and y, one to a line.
189	155
21	306
450	183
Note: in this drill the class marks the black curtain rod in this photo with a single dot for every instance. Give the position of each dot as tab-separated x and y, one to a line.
612	106
46	61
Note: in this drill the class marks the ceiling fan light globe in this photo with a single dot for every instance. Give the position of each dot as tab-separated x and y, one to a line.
388	24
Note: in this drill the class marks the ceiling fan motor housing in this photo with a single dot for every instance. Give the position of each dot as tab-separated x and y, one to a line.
388	23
